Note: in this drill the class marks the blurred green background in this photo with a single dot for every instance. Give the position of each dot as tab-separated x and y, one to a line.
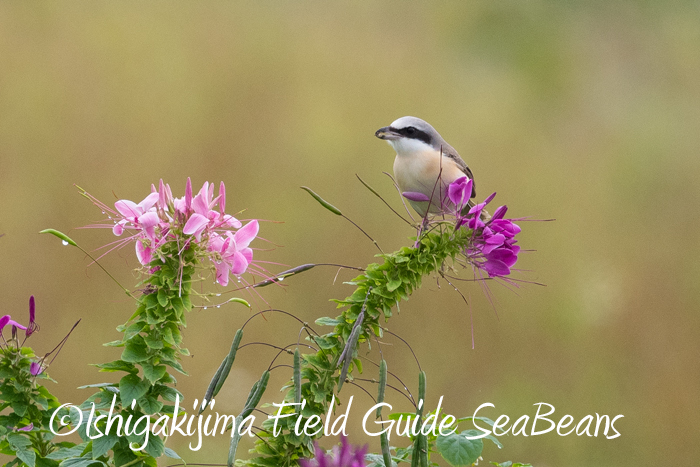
587	112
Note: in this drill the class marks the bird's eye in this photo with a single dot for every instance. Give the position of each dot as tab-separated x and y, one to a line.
410	130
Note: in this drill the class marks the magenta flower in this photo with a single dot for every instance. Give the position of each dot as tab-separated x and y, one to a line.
342	456
29	427
459	192
5	320
415	196
36	368
492	245
475	221
33	327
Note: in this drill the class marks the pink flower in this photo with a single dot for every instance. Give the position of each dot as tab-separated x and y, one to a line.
29	427
232	248
494	246
460	191
5	320
343	456
415	196
33	327
205	216
475	221
36	368
191	221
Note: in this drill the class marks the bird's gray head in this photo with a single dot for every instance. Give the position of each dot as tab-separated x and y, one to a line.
410	134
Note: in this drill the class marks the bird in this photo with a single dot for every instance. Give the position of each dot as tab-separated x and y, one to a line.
425	163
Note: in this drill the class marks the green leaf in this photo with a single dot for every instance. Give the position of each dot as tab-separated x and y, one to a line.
18	441
133	330
393	284
495	441
103	444
80	462
457	450
117	365
376	460
176	365
60	235
325	321
19	408
150	405
131	387
170	453
42	462
98	385
155	446
163	298
28	457
135	351
65	453
153	373
323	202
153	342
117	343
168	336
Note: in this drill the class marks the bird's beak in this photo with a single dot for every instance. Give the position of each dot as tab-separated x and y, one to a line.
387	133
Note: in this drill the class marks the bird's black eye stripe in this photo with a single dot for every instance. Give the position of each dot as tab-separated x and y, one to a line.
414	133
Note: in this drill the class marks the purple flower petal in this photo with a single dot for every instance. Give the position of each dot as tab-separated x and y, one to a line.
496	268
36	369
32	309
415	196
16	324
29	427
3	322
500	212
460	191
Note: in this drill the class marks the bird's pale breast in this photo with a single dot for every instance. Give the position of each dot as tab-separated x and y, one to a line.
419	172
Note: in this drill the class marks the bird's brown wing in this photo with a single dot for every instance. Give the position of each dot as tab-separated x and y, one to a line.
449	151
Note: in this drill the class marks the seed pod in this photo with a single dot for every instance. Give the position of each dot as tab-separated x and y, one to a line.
284	274
60	235
421	439
257	395
297	377
386	453
419	457
323	202
235	438
382	386
229	361
223	371
347	355
212	384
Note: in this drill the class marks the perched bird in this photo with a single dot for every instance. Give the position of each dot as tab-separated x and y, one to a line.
425	164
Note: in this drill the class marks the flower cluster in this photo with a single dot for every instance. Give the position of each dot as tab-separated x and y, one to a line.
192	220
36	367
493	246
342	456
